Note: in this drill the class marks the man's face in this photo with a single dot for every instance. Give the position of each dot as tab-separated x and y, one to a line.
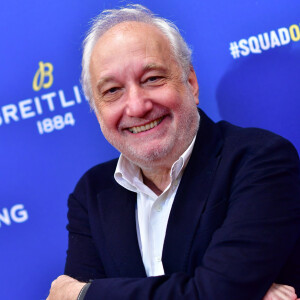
144	106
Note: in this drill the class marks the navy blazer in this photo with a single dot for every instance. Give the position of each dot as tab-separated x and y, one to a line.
233	230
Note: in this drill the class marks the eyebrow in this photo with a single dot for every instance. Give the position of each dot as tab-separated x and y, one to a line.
154	66
147	67
105	80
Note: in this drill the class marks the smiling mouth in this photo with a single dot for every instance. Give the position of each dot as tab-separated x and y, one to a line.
138	129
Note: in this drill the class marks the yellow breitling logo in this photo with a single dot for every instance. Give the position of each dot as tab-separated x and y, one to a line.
44	72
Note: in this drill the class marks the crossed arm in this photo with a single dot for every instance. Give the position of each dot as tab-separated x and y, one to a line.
234	238
68	288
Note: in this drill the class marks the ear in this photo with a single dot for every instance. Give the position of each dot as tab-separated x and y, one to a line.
193	83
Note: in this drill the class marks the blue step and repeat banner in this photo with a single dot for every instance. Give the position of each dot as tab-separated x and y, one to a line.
247	58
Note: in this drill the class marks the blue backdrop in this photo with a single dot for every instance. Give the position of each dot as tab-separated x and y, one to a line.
247	58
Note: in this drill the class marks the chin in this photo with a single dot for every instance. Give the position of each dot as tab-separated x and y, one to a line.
149	157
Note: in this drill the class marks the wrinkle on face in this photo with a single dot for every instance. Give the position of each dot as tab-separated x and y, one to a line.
124	58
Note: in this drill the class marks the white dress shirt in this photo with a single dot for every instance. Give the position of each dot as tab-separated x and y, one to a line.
152	211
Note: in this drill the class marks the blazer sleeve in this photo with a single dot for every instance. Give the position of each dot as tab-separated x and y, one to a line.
82	261
248	251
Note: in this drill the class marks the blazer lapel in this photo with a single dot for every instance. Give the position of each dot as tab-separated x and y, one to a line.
117	209
191	196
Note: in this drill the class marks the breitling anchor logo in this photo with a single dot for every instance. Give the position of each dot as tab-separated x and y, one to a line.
44	72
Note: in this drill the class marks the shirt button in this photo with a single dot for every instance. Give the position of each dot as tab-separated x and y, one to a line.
158	208
157	259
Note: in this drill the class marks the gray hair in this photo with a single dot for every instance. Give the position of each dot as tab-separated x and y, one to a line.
134	12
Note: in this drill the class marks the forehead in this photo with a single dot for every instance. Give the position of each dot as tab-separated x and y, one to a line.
130	39
134	28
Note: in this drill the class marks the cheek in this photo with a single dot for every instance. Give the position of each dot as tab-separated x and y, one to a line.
169	98
175	93
109	117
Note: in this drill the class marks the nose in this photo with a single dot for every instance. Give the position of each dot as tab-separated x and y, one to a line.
138	104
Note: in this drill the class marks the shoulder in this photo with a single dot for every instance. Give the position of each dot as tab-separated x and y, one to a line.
96	179
234	140
255	141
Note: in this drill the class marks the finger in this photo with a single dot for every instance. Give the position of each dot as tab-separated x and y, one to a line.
285	294
288	288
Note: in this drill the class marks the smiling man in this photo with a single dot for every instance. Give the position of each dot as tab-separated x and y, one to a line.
138	90
192	209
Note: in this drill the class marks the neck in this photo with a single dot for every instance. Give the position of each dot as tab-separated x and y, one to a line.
157	179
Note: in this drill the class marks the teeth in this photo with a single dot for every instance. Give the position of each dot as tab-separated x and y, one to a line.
138	129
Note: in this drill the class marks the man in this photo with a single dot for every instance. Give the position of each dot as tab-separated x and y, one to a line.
192	209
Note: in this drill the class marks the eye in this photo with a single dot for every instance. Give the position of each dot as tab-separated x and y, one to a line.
110	94
153	78
154	81
112	90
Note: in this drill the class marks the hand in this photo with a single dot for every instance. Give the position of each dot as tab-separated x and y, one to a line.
65	288
280	292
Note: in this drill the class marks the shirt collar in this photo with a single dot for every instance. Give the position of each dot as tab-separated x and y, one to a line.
128	175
